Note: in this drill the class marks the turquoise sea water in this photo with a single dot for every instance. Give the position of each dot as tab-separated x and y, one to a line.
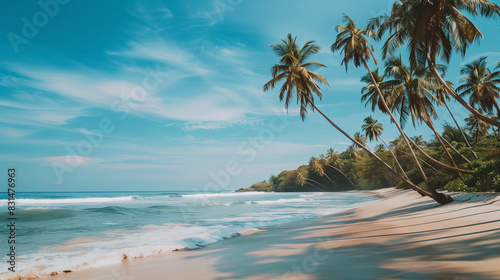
73	231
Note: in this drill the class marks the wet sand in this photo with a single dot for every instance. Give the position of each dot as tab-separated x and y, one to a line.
403	236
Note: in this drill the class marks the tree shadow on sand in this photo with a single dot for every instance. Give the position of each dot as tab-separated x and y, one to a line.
327	256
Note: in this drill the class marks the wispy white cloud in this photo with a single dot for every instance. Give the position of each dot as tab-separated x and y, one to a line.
215	12
72	160
10	132
38	112
216	124
10	81
93	91
166	53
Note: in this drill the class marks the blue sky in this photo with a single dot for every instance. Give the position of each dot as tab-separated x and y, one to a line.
164	95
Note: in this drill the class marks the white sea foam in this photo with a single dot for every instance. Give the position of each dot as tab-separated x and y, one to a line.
202	195
125	232
282	200
30	201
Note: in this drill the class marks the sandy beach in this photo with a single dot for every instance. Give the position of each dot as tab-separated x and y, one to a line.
402	236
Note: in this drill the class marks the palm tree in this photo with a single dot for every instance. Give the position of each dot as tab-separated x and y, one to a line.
298	80
293	70
325	161
332	159
369	93
361	139
451	133
419	140
302	179
476	126
316	166
481	84
380	148
373	130
412	96
398	143
442	97
351	151
353	43
431	28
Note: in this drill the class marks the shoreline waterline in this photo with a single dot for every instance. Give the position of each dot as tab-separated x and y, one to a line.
91	232
402	236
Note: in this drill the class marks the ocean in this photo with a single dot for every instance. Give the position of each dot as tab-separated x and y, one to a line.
79	230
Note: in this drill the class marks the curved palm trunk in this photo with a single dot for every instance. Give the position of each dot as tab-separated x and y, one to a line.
328	177
422	160
460	99
455	150
341	172
315	186
438	162
460	129
438	197
322	187
431	126
381	96
395	159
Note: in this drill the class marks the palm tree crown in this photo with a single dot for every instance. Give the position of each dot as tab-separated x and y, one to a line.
372	128
294	70
411	93
431	28
369	92
360	138
476	127
481	84
353	43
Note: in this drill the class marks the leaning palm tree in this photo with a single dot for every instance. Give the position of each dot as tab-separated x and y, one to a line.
369	93
332	159
353	43
432	28
412	96
296	73
476	127
302	179
442	97
293	71
373	130
317	166
481	85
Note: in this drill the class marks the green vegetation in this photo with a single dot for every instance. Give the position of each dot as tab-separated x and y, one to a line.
355	169
430	30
